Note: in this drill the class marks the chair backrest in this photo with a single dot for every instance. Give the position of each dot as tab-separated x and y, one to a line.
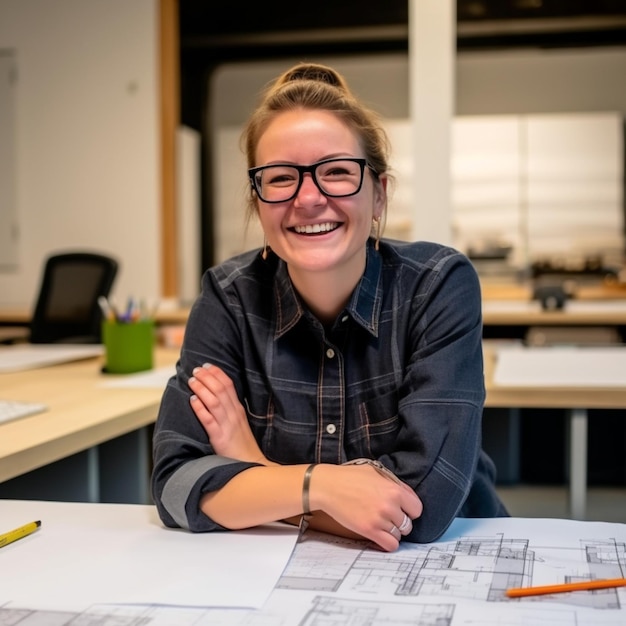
67	308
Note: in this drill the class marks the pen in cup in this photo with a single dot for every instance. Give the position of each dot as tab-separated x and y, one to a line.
18	533
135	311
105	307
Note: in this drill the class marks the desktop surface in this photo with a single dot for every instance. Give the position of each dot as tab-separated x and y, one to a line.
121	565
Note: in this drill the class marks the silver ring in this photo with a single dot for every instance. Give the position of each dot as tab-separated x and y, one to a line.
395	532
406	524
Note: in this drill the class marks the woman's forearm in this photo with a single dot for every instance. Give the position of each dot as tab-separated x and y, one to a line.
258	495
347	500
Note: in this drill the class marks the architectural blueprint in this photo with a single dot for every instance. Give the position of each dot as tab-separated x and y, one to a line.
457	581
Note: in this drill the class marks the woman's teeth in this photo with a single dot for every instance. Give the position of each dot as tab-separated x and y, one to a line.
316	228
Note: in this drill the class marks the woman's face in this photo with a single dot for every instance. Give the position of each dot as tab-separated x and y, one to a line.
313	232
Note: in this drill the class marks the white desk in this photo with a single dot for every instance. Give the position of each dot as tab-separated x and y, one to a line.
577	395
88	558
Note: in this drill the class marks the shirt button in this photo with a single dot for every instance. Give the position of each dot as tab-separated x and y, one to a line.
344	318
330	353
331	429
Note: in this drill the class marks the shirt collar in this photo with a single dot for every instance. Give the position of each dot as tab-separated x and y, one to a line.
364	306
366	300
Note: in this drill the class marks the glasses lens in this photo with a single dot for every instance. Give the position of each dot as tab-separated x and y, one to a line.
277	183
339	178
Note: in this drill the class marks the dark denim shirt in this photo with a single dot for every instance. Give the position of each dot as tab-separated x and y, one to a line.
398	377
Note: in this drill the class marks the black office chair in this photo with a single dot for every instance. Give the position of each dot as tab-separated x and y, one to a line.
67	309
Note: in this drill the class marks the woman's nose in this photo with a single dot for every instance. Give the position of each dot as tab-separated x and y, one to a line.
309	193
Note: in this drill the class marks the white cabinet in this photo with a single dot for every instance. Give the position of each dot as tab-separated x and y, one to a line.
488	185
575	186
550	186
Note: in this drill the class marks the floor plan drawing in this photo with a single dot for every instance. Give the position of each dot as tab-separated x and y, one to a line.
326	611
468	567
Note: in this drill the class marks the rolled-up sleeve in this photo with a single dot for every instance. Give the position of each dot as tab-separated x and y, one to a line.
185	466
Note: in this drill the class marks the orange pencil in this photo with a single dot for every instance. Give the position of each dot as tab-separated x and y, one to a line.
581	586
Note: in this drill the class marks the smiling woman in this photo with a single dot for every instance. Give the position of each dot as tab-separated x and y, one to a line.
350	400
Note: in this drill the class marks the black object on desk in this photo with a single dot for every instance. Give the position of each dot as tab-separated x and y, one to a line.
552	297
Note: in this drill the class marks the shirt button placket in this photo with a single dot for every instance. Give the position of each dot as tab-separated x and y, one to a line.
331	405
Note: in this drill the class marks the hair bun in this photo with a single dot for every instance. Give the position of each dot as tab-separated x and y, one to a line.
315	72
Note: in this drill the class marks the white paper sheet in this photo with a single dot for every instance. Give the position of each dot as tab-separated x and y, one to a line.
92	553
25	356
560	366
156	378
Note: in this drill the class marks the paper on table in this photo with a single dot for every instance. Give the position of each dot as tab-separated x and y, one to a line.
511	306
92	553
152	378
596	306
24	356
560	366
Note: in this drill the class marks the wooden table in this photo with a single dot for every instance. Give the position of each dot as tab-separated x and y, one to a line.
81	415
575	313
10	334
21	315
576	400
497	311
15	315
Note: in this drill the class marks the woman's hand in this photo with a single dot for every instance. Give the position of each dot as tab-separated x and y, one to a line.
216	405
364	502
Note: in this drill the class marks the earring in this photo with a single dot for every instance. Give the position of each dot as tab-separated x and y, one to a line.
264	253
376	221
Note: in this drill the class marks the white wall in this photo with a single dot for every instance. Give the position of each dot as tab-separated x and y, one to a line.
86	137
188	223
8	222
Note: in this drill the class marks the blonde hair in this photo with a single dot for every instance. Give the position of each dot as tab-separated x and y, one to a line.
314	86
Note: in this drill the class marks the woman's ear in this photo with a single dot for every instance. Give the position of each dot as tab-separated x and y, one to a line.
380	196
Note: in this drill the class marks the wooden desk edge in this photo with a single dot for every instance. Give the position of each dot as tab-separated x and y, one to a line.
23	461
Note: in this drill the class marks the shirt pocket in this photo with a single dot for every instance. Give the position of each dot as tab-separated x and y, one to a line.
285	431
374	429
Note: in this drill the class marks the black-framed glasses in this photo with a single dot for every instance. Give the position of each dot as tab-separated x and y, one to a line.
336	178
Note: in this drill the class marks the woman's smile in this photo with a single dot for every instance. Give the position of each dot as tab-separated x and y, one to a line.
316	229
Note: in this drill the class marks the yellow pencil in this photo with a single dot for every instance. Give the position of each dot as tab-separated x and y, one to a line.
581	586
18	533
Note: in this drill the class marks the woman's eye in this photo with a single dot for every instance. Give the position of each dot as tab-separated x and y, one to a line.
280	178
335	172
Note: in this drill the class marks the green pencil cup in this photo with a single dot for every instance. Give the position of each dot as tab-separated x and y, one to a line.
128	346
